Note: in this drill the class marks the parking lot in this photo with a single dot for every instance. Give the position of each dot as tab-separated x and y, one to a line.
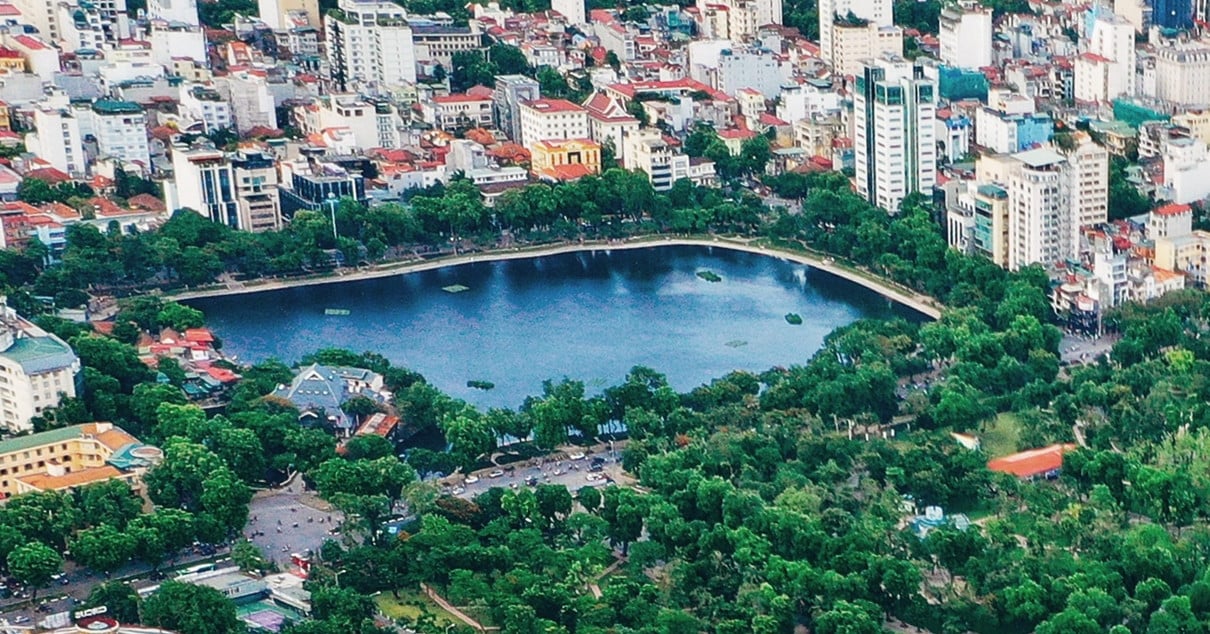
573	474
1081	349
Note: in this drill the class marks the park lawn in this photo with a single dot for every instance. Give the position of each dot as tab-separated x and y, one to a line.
1002	436
411	605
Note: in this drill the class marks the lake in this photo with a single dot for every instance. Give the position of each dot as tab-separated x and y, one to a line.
590	316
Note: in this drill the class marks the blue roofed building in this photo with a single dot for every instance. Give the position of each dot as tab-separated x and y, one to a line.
319	391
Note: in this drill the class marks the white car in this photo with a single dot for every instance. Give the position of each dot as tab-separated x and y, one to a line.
593	477
495	474
579	455
472	479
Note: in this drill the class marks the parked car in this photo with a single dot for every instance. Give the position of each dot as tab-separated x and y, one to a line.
472	479
495	474
578	455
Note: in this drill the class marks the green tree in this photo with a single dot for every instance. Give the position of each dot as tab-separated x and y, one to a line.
103	548
33	564
121	601
190	609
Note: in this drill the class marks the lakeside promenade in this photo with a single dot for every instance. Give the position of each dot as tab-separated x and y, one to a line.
916	301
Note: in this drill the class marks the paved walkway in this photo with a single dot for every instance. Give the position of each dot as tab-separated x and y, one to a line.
916	301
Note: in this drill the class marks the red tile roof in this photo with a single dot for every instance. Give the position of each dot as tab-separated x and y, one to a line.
553	105
1034	462
1173	209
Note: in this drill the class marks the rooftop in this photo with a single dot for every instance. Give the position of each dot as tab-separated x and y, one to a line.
1033	462
40	354
111	106
553	105
1040	157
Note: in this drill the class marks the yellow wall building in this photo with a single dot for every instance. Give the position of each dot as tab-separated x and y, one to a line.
565	159
72	457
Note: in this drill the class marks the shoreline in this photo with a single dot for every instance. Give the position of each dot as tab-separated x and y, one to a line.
920	303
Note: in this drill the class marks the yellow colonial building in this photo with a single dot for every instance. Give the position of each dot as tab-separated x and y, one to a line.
565	159
72	457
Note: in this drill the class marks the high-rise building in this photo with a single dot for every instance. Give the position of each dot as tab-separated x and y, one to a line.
853	44
894	140
1087	169
370	46
552	119
876	12
740	18
1182	73
1107	69
573	10
1041	227
1172	14
256	194
966	36
511	91
283	15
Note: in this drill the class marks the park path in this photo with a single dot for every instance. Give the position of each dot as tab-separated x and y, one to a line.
449	607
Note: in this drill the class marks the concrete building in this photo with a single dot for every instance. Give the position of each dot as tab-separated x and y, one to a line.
757	68
646	150
1087	169
876	12
1182	74
71	457
565	160
203	104
203	181
370	46
853	44
184	11
1107	69
461	111
319	391
120	128
550	119
259	203
1186	253
609	122
1042	228
510	92
1170	221
1186	170
573	10
438	43
43	15
252	104
283	15
38	370
1008	133
1196	121
41	58
56	138
894	139
738	20
966	36
371	122
172	41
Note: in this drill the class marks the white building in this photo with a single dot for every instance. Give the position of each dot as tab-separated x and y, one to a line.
38	369
551	119
174	40
738	19
1041	228
852	45
810	99
1186	170
609	122
1088	179
371	123
573	10
1107	69
1182	74
41	58
451	112
370	46
256	193
647	151
894	139
966	36
203	104
202	180
183	11
877	12
252	104
120	128
758	69
42	15
56	138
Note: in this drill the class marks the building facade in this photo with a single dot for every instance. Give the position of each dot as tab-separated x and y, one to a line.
511	91
71	457
370	46
37	370
120	128
552	119
894	118
966	36
876	12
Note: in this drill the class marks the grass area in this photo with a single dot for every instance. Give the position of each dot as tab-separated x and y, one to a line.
412	605
1002	436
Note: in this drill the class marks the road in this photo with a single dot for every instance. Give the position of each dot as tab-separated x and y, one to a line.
289	520
572	474
1078	349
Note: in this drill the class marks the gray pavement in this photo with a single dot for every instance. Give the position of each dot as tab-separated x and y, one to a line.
289	520
1080	349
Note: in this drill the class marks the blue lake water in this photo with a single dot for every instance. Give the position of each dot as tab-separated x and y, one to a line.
589	316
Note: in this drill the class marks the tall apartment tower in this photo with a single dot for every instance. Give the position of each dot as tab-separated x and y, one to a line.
877	12
1106	70
894	140
184	11
1041	228
511	91
370	46
966	36
1087	169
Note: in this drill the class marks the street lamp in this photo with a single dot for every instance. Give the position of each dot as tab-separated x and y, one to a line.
332	208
